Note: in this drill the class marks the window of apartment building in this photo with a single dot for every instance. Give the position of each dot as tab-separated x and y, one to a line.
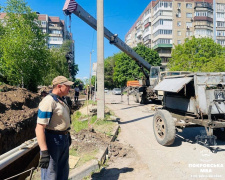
55	39
178	41
162	4
147	38
220	15
189	33
221	42
189	24
138	23
56	32
179	5
220	24
188	5
204	13
178	23
147	12
167	22
203	32
146	29
220	33
163	41
44	30
189	15
146	21
165	59
179	33
138	30
54	45
220	7
43	22
162	31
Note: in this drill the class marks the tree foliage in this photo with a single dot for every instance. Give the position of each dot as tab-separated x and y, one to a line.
198	54
24	54
24	57
127	69
109	64
58	64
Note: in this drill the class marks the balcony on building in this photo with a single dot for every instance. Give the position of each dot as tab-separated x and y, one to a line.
203	27
220	28
138	24
203	5
139	33
55	27
158	46
203	18
138	40
147	38
164	52
220	37
128	37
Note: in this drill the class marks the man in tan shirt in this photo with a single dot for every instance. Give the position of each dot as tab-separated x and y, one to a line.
52	133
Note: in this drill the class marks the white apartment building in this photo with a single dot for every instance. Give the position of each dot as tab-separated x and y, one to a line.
165	23
55	28
220	22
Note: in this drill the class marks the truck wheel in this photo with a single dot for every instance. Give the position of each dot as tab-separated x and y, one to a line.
136	97
164	127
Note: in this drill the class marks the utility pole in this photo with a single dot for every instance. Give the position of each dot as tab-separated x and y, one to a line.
100	61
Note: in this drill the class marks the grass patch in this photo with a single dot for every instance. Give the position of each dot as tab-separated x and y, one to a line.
90	102
83	157
80	122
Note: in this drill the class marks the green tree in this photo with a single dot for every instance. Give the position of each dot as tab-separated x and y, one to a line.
93	80
58	64
127	69
24	54
109	65
196	55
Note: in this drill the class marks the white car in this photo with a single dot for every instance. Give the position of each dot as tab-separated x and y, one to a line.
106	90
116	91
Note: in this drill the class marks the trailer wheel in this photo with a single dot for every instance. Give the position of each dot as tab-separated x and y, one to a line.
164	127
136	97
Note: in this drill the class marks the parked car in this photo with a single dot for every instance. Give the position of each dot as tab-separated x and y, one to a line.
116	91
106	90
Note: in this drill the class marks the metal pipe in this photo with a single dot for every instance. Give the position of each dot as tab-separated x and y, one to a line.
16	153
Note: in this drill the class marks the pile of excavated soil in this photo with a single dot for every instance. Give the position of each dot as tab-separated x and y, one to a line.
16	105
18	114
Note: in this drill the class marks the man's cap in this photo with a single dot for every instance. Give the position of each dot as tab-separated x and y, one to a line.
61	80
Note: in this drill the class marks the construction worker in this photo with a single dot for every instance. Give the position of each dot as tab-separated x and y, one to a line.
77	91
52	133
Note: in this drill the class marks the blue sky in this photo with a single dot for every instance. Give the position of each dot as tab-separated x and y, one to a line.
119	16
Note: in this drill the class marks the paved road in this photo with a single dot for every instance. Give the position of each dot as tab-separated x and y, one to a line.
183	160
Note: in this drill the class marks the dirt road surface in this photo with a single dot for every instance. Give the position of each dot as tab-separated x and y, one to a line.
185	159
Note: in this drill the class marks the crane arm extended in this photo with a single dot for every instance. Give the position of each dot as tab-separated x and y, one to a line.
113	38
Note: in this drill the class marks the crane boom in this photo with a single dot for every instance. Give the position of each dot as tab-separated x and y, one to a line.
113	38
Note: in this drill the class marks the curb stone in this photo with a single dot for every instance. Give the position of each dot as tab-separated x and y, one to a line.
94	164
